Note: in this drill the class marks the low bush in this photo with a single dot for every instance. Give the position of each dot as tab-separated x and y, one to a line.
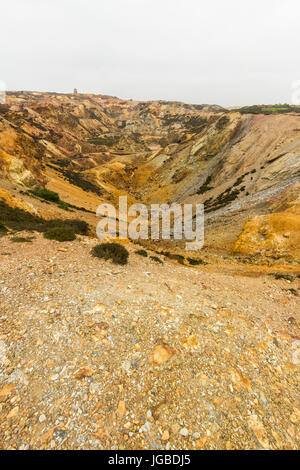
60	234
105	140
46	194
3	230
205	186
64	205
76	178
142	253
222	122
293	291
17	219
156	259
114	251
51	196
21	239
195	262
287	277
78	226
178	258
269	109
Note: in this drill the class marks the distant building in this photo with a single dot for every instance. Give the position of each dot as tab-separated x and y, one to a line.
75	91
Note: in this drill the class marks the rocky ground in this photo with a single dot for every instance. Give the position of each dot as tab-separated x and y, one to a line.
144	356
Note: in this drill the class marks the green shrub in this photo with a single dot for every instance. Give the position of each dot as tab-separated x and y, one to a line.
3	230
205	186
156	259
287	277
293	291
142	253
60	234
222	122
21	240
4	108
51	196
64	205
195	262
105	140
78	226
178	258
18	220
114	251
269	109
46	194
76	178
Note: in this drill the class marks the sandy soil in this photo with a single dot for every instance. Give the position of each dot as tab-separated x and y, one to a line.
143	356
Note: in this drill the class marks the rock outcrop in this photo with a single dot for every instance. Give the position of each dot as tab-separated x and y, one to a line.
275	235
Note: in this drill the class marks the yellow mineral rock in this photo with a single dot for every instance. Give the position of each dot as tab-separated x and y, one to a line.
275	235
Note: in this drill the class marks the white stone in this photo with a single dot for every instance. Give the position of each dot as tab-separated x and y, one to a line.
184	432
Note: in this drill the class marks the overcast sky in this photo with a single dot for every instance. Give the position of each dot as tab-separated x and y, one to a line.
229	52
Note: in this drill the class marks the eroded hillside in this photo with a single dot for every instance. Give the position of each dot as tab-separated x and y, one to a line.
92	148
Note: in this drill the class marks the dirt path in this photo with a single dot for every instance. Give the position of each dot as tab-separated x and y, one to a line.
145	356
